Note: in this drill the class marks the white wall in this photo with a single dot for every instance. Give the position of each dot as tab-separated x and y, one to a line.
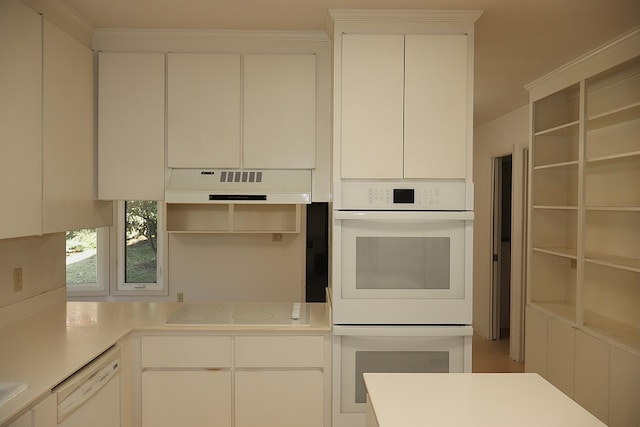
508	134
42	259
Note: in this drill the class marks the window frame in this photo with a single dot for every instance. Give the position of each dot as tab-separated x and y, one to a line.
119	287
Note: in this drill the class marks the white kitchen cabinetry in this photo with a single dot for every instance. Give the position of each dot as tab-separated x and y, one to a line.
20	120
42	414
186	380
403	94
288	398
592	361
250	111
203	116
47	128
291	365
131	134
267	379
404	106
279	105
585	224
193	398
69	167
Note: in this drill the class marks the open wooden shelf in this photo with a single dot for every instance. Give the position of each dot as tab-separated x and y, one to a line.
233	218
585	213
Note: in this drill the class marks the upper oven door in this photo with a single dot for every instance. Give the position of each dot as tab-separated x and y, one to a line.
402	267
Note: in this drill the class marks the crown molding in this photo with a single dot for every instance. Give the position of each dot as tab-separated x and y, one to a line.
64	17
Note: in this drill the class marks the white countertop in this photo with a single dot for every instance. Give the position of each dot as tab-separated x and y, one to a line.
492	400
46	348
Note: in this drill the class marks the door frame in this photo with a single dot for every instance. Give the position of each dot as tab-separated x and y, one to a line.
519	153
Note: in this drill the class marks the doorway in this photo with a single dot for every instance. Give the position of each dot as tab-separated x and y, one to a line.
501	247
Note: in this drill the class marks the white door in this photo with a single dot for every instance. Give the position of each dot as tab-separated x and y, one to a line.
131	100
372	106
279	105
203	110
194	398
283	398
436	105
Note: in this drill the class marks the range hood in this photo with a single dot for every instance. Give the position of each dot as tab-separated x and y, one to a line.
238	186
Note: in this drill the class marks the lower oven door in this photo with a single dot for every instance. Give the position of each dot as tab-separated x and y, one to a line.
395	267
395	349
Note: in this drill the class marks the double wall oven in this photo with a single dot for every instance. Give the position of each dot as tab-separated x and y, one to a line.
401	284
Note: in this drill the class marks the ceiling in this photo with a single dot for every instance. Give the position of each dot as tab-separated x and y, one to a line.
517	41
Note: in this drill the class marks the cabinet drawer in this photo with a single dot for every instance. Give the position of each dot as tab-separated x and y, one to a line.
279	351
186	351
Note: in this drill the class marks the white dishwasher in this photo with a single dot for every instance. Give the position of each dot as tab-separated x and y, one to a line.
91	396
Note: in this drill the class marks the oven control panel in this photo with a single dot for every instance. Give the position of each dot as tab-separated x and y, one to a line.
427	196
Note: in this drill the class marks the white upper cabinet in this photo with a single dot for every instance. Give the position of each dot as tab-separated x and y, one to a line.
69	169
47	150
20	120
131	110
405	102
279	106
203	102
233	111
372	106
436	100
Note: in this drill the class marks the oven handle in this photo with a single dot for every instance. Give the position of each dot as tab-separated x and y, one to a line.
404	330
404	215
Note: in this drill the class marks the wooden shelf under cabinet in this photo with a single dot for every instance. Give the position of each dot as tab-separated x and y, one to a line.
234	218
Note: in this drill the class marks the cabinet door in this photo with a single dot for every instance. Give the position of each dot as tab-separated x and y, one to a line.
279	128
592	375
372	106
69	151
203	110
561	355
24	420
279	398
20	120
131	126
186	398
436	103
625	388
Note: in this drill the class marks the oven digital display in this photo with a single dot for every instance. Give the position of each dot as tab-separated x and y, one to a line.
403	195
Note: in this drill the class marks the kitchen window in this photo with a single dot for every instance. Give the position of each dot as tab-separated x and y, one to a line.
140	247
87	260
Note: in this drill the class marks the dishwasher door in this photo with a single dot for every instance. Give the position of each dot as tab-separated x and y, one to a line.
91	396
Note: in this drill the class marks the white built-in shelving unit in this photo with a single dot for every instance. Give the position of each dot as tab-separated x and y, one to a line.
584	257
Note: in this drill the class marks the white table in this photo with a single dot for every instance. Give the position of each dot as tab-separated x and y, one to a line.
408	400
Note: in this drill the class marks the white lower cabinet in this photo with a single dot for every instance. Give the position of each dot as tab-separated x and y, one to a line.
42	414
186	397
592	374
283	398
601	376
235	380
